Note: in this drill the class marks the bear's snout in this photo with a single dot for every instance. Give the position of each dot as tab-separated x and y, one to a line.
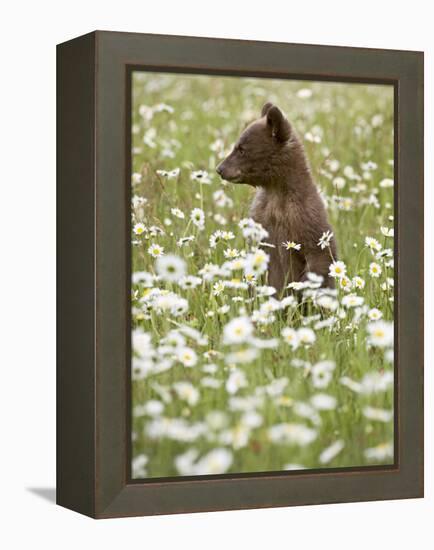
228	172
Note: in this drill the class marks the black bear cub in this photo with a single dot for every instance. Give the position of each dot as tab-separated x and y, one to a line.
269	156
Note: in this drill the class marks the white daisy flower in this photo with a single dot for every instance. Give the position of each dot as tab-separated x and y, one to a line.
352	300
374	314
242	356
322	373
144	278
139	228
304	93
339	182
270	343
185	462
327	302
201	176
323	402
377	382
236	380
345	283
153	407
305	410
155	250
221	220
227	235
137	201
197	216
149	138
237	331
177	213
217	420
179	307
215	238
315	279
351	384
231	253
174	339
380	452
386	183
372	244
221	199
380	334
325	239
237	436
387	232
136	178
187	392
217	461
268	291
306	336
172	174
291	434
377	120
195	335
170	268
358	283
187	357
163	107
138	465
177	429
389	284
256	263
381	415
189	282
337	269
385	253
154	230
331	452
375	270
218	288
185	240
142	343
290	336
291	245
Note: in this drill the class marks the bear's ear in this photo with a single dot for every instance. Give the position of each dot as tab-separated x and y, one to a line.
266	108
280	127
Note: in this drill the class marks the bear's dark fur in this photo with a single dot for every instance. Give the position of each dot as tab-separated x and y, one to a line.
269	156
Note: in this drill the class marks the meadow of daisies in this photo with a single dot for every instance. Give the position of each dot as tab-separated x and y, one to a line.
227	375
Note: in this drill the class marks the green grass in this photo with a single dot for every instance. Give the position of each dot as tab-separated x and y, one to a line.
214	110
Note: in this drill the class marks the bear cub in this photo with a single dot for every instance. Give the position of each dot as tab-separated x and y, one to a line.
270	157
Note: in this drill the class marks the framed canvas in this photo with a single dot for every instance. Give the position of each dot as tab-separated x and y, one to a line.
240	274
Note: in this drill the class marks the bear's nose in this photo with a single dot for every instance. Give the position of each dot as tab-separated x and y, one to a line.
219	170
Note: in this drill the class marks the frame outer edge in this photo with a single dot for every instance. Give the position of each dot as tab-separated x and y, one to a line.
75	385
115	496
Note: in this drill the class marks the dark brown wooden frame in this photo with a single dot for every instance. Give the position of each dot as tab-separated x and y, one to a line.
93	375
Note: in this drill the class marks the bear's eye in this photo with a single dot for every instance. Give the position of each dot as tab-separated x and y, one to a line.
241	150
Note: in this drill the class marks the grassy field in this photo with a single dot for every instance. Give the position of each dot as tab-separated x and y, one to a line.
227	377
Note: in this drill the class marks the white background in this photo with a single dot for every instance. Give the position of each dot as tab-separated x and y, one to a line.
29	33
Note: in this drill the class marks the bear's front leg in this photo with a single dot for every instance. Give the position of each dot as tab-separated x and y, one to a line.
318	262
276	273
